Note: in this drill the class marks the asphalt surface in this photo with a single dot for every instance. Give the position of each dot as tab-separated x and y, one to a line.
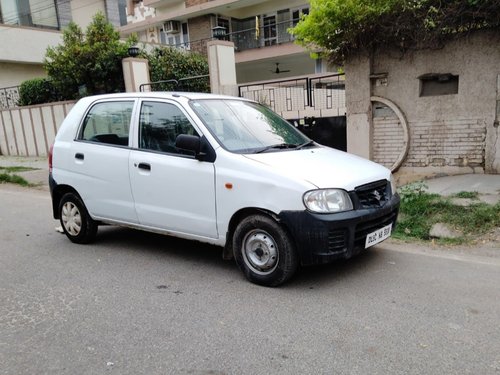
138	303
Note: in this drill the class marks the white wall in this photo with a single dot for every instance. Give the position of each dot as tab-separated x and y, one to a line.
83	11
26	45
30	130
14	74
22	53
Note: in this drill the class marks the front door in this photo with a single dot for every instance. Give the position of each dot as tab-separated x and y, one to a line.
172	190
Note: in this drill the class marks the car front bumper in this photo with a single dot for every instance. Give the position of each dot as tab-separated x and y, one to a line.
323	238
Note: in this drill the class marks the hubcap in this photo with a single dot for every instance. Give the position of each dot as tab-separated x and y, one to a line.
260	252
71	218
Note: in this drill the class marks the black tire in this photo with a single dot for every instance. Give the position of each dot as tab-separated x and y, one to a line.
264	251
75	220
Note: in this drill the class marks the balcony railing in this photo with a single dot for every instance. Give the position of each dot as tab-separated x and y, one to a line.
269	35
249	38
9	96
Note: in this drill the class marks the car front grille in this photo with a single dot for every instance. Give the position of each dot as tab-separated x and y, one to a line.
374	194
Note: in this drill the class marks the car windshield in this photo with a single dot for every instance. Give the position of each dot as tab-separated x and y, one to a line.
247	127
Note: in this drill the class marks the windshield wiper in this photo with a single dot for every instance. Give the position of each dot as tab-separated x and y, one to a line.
308	143
279	146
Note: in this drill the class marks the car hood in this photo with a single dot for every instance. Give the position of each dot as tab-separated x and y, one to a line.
324	167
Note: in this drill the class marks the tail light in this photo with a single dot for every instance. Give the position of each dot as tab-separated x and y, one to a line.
51	150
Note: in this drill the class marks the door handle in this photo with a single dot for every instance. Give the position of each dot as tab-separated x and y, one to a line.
79	156
145	166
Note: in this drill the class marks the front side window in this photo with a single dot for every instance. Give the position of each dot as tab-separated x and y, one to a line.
160	124
108	122
247	127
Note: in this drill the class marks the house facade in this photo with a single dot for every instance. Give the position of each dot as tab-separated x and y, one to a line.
428	112
264	49
28	27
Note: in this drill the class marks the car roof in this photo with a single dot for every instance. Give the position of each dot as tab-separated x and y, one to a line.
161	95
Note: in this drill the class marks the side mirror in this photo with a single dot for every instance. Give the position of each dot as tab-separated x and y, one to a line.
197	146
188	143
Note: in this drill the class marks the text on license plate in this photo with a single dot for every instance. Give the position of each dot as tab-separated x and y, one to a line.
378	236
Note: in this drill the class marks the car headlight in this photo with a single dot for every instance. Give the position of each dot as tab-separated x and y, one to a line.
393	185
327	200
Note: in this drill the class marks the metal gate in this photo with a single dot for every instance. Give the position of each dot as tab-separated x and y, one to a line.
316	93
315	105
200	83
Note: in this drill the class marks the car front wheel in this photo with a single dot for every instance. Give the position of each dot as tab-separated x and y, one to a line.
76	222
264	251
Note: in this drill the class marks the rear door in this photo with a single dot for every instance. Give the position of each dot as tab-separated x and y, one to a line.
172	190
99	158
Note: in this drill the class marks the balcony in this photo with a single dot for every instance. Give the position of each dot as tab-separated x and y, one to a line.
270	34
248	36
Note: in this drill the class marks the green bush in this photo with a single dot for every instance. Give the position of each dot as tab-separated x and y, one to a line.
37	91
171	63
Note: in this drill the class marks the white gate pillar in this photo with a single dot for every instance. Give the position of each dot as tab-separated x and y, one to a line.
135	73
222	67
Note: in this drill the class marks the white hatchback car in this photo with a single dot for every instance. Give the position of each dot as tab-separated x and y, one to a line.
221	170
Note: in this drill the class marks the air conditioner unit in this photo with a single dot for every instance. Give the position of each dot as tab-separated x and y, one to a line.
172	27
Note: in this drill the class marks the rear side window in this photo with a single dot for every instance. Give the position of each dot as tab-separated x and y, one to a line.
108	122
160	124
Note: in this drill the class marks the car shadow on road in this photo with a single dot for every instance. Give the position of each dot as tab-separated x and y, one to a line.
342	270
172	249
126	239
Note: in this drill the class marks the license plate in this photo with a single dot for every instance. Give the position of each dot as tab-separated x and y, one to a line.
378	236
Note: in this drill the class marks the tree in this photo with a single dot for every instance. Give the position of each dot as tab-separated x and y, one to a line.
88	63
339	28
171	63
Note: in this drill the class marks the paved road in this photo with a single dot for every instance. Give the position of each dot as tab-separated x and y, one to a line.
138	303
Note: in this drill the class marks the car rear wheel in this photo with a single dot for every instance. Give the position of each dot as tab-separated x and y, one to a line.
76	222
264	251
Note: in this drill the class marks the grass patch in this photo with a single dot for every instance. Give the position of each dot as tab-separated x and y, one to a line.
17	169
13	179
7	175
467	195
420	210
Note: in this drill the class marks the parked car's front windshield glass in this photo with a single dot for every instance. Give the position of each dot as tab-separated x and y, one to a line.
247	127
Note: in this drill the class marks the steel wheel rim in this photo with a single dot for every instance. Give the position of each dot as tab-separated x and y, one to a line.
260	252
71	218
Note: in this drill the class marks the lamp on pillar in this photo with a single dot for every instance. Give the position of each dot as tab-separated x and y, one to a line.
219	32
133	51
